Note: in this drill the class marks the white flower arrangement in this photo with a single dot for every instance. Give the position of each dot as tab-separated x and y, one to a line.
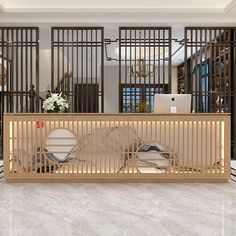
55	102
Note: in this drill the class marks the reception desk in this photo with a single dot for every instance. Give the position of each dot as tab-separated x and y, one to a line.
58	147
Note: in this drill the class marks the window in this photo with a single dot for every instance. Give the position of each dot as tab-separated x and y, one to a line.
201	88
139	98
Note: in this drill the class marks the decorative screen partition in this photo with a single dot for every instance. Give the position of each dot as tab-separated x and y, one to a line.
144	66
78	66
19	71
113	147
208	73
210	64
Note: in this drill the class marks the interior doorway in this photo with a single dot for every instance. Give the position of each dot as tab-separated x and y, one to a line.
86	98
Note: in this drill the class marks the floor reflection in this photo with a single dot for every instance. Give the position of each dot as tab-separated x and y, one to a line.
117	209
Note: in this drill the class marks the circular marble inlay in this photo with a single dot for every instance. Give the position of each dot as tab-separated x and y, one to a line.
60	142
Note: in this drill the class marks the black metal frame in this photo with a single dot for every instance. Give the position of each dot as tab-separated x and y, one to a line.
20	53
152	40
214	47
84	49
19	48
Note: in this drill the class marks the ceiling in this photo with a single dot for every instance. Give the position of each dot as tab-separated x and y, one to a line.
118	12
55	4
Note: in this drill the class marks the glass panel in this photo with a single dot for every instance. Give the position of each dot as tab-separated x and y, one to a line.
139	98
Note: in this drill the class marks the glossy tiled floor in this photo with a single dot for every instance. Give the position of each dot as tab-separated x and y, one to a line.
117	209
233	164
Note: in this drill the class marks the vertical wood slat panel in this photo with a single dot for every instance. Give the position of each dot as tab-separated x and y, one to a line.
219	163
13	146
173	132
18	147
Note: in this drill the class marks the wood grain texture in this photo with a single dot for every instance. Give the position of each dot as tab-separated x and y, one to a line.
192	147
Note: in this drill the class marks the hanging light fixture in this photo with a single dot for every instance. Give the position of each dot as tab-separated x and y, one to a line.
141	57
138	69
141	70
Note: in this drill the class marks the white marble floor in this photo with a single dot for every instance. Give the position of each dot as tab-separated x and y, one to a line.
117	209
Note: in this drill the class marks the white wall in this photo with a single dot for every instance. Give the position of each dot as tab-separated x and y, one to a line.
45	60
44	69
111	89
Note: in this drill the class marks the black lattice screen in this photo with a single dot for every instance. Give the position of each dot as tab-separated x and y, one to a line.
210	71
19	71
78	66
144	66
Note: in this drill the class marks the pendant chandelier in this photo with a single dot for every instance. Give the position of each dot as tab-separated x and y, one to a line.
141	70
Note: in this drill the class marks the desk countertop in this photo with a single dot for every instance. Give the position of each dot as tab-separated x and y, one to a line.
116	114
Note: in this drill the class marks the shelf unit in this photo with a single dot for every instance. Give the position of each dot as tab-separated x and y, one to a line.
181	83
181	77
220	73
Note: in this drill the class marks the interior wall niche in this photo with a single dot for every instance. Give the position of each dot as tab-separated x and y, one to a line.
209	71
19	75
144	66
78	66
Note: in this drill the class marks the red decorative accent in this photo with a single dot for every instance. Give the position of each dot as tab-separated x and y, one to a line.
40	124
